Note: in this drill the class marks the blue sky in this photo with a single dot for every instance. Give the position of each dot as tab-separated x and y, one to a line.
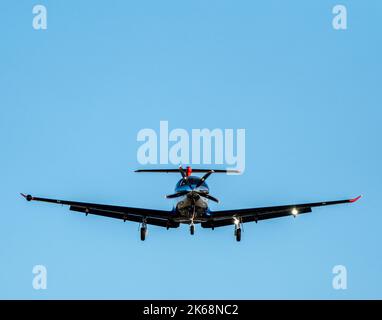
74	96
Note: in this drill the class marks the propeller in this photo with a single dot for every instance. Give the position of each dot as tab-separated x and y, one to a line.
193	194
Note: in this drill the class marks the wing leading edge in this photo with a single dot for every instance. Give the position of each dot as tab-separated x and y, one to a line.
228	217
160	218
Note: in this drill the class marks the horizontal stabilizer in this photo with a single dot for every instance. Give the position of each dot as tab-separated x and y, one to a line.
193	170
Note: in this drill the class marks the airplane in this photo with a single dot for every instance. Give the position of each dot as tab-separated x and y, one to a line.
192	207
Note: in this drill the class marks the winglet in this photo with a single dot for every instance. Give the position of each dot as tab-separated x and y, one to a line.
355	199
27	197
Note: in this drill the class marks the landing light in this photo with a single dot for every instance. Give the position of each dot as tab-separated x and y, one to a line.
236	221
294	211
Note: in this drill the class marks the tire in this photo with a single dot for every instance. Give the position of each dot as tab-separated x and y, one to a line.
192	229
143	234
238	234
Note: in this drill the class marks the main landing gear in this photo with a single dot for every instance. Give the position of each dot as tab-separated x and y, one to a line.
237	230
238	234
143	231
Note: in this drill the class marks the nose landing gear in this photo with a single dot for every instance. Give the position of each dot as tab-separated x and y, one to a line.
192	226
192	229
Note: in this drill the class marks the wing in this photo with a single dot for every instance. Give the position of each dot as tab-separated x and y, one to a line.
160	218
227	217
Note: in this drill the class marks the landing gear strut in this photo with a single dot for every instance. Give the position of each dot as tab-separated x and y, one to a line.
143	231
192	226
192	229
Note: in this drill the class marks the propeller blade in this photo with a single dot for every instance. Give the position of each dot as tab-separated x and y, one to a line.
205	194
177	194
185	175
204	178
210	198
182	172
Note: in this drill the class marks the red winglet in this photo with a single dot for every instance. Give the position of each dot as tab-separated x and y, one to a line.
188	171
355	199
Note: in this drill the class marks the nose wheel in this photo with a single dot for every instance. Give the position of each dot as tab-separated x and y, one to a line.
192	229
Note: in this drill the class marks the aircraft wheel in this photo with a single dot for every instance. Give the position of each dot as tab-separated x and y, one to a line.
192	229
143	233
238	234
